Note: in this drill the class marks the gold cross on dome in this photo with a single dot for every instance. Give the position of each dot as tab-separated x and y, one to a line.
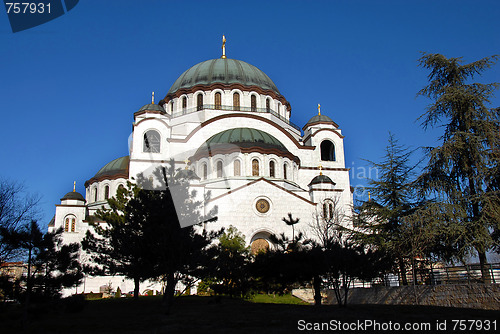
187	161
223	47
319	109
320	169
153	98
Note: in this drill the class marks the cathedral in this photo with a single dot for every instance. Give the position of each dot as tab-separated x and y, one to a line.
226	122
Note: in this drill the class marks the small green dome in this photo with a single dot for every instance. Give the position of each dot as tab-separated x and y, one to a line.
320	118
152	107
73	195
321	179
114	167
224	71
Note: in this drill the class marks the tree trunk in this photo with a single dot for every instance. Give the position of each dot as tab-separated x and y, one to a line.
317	290
402	270
136	288
485	272
168	295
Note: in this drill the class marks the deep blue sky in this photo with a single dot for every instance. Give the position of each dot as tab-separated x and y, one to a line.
69	88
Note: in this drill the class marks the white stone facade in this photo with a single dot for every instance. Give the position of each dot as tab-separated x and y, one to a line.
182	125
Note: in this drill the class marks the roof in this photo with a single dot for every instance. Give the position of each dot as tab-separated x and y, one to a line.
73	195
320	119
117	166
240	138
223	70
321	179
152	107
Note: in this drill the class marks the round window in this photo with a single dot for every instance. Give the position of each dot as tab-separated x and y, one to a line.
262	205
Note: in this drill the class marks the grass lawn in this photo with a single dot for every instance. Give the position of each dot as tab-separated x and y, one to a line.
194	314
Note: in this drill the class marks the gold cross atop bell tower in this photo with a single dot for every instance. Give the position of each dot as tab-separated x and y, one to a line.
223	47
319	109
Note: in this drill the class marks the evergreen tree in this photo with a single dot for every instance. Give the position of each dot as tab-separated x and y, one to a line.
51	264
382	218
231	258
462	172
140	237
119	247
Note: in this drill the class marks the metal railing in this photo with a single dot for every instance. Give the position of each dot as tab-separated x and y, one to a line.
467	274
232	108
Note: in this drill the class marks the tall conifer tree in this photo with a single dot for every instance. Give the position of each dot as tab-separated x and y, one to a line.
463	171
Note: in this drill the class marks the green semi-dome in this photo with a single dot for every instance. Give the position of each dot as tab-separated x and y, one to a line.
225	71
117	166
243	140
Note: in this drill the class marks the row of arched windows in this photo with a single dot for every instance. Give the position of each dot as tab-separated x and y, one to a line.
218	102
106	192
237	169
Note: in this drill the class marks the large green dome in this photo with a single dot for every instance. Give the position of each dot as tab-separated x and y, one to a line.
225	71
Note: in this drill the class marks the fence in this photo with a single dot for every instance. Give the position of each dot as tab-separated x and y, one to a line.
467	274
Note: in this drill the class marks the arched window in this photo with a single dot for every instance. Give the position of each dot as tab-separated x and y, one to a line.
268	105
236	101
199	102
253	103
70	223
172	107
151	142
95	194
328	211
204	171
271	169
285	171
279	109
219	168
255	167
327	151
218	100
184	103
106	192
237	168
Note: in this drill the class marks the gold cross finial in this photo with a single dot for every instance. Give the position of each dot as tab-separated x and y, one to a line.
319	109
187	161
74	186
369	197
223	47
153	98
320	169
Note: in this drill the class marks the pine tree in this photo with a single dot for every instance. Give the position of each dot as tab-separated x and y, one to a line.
463	171
382	218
